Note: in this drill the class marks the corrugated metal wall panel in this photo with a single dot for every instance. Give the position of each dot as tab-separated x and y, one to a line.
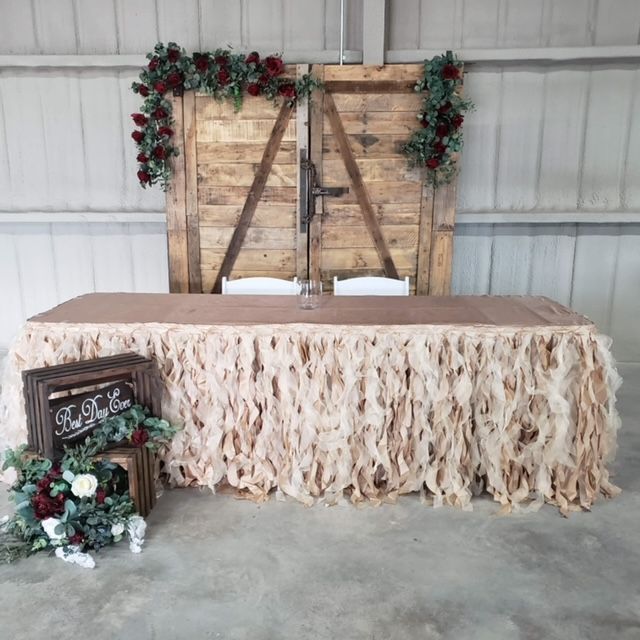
456	24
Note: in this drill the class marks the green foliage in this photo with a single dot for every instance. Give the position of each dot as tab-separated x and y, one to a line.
221	73
439	138
44	490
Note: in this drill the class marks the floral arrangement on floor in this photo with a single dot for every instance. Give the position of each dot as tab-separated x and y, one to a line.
435	144
220	73
81	503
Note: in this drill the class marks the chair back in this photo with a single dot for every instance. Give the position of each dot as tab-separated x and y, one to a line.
371	286
260	287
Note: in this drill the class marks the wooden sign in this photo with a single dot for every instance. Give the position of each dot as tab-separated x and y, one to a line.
44	406
76	416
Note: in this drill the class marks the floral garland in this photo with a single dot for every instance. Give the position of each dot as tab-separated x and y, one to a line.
435	144
80	503
221	74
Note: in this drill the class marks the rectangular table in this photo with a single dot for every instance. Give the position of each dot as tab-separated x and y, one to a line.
372	396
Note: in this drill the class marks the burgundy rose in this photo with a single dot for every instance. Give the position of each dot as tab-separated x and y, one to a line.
223	77
254	57
263	80
457	121
174	79
287	90
442	130
143	90
173	55
138	136
160	152
222	60
424	122
139	119
153	64
450	72
445	108
165	131
275	66
143	176
101	494
46	507
142	158
160	87
253	89
77	538
44	484
139	437
202	63
433	163
439	148
160	113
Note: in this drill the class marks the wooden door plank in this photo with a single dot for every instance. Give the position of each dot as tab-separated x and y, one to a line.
424	240
373	86
444	212
255	193
359	187
316	131
191	191
302	150
176	209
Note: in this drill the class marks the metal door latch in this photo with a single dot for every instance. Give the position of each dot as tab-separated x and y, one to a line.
310	190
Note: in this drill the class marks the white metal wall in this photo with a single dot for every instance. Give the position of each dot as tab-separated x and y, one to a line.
551	150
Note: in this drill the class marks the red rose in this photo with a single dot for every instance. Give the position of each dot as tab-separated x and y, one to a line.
223	77
253	89
433	163
160	87
44	484
101	494
46	507
142	158
143	90
450	72
202	63
173	55
254	57
222	60
160	113
143	176
445	108
174	79
165	131
139	437
160	152
275	66
439	148
139	119
442	129
153	64
457	121
263	80
77	538
138	136
287	90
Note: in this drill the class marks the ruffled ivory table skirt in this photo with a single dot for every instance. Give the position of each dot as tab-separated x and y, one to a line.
370	411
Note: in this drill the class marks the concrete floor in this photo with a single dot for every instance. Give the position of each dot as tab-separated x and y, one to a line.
215	567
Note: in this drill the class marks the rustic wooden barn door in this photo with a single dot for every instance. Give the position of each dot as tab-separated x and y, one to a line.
321	190
386	223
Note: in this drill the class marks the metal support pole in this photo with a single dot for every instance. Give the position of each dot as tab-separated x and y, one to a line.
342	24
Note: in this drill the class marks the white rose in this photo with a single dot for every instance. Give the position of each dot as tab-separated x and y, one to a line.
49	525
117	529
73	555
84	485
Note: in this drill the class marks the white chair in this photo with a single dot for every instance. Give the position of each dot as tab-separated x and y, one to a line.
371	286
260	287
